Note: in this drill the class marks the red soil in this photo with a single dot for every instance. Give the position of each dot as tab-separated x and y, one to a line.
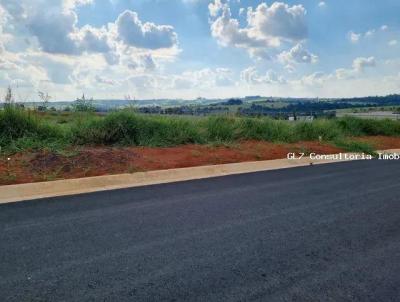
93	161
381	142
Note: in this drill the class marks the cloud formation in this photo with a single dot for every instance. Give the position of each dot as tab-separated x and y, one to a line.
357	37
144	35
359	64
251	76
278	21
298	54
358	67
68	53
267	26
60	47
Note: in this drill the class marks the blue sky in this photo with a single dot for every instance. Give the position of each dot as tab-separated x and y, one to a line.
199	48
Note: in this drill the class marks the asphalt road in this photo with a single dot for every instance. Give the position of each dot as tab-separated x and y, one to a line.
318	233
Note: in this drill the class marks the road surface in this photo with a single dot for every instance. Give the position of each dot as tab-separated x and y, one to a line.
318	233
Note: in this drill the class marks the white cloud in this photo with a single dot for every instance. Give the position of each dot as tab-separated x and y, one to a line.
278	21
314	79
344	74
55	26
148	62
393	43
143	82
259	53
144	35
215	7
272	77
227	31
8	65
52	26
223	77
3	22
370	33
104	80
21	71
50	49
267	26
53	29
93	39
58	70
297	55
358	67
71	4
251	76
204	78
354	37
322	4
359	64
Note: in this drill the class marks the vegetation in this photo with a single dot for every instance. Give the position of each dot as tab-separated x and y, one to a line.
26	129
83	105
45	98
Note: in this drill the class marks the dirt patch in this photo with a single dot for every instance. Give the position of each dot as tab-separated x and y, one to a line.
195	155
94	161
381	142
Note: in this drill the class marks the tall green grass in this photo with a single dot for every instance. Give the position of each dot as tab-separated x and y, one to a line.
17	123
23	129
220	129
352	126
127	128
267	129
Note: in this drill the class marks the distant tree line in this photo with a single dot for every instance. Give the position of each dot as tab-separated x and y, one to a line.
319	108
184	110
293	108
392	99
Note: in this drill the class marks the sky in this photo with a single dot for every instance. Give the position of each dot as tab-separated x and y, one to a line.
145	49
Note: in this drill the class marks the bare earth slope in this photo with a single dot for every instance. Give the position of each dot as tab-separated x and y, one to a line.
94	161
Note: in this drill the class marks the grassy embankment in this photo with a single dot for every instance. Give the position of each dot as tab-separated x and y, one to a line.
23	129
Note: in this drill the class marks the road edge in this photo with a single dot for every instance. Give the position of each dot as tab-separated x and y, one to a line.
32	191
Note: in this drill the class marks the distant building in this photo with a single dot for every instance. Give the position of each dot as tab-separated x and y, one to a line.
300	118
305	117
